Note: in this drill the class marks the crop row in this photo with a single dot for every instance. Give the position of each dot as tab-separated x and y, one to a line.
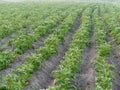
69	66
102	68
112	20
13	19
36	21
25	41
22	74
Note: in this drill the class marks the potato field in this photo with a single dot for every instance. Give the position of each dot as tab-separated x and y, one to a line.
59	46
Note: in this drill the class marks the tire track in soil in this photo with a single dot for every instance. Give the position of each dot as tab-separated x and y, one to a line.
85	79
43	78
21	58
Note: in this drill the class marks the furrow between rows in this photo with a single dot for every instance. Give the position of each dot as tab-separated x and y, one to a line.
44	78
25	71
85	79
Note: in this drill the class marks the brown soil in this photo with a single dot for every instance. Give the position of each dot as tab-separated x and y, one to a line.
42	79
85	79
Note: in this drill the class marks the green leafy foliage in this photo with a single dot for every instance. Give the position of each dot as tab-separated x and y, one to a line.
69	66
24	40
22	74
103	73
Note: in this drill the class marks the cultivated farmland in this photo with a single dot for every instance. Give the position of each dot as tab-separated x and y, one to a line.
59	46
